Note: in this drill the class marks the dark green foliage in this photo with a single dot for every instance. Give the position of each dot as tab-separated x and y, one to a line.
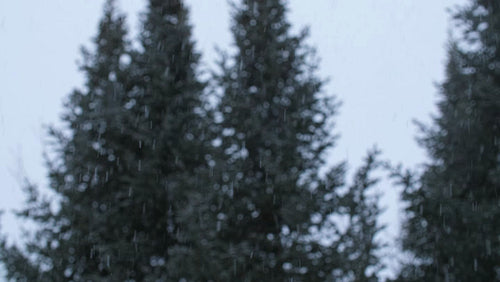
174	127
120	167
358	245
273	127
452	224
167	111
151	186
269	203
81	239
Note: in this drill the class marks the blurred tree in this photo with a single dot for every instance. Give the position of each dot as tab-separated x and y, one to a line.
172	124
127	161
80	238
452	225
358	245
275	125
149	188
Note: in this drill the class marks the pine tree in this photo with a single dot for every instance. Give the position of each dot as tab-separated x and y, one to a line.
172	126
134	146
81	238
453	217
274	127
358	245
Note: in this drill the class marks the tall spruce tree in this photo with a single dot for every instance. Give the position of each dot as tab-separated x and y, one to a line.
134	146
81	239
453	217
274	128
172	126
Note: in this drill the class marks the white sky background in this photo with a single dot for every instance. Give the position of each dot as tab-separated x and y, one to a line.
382	56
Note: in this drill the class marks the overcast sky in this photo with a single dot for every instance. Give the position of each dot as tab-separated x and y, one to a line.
383	58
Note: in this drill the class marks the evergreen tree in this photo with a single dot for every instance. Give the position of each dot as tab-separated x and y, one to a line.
274	127
134	148
358	245
452	222
82	239
172	125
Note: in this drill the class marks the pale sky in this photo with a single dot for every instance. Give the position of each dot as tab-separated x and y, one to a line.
383	58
